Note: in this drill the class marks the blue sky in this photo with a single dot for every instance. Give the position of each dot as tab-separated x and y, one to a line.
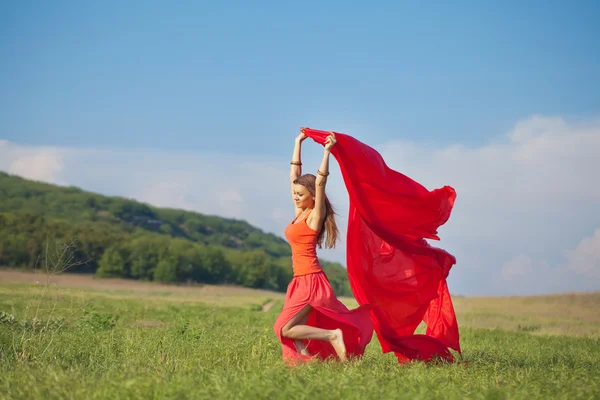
183	75
182	104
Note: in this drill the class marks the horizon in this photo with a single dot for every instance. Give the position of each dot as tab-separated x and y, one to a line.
195	107
243	220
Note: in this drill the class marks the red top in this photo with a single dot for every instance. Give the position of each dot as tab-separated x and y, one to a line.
303	241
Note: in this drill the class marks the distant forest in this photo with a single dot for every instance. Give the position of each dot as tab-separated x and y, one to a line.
117	237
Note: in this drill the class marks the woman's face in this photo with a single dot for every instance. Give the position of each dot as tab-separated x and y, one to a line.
302	197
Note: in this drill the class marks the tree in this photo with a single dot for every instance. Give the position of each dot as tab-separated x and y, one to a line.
112	264
166	271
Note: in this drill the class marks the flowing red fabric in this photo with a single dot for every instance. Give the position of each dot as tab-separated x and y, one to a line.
390	266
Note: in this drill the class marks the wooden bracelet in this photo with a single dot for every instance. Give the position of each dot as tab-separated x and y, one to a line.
296	163
322	174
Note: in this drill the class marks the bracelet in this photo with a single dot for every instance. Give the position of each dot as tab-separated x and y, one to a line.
322	174
296	163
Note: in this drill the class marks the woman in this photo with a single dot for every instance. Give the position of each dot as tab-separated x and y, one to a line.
313	322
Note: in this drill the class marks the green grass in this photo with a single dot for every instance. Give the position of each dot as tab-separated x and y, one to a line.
87	346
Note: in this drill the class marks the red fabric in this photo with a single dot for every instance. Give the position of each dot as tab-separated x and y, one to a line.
328	313
390	265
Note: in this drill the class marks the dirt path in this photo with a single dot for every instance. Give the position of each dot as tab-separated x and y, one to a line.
217	294
267	306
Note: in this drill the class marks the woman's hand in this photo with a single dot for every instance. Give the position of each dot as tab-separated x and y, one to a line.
330	142
301	136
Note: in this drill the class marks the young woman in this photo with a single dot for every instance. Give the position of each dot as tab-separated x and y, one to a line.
313	322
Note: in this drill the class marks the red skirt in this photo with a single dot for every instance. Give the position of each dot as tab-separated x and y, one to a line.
327	313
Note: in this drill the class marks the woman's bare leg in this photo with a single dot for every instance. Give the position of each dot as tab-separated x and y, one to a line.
300	346
297	331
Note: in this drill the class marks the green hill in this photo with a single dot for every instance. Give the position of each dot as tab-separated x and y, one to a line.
120	237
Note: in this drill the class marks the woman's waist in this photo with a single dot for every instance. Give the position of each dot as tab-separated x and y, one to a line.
305	257
306	268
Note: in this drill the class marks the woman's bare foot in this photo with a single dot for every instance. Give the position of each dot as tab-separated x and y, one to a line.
301	348
305	352
337	341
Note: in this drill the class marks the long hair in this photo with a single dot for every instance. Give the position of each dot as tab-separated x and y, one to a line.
329	225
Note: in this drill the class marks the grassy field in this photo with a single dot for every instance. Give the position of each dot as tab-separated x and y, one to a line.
84	338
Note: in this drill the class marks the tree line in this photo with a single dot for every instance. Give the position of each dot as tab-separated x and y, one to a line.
116	237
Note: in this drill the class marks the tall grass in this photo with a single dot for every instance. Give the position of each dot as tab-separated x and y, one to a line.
81	344
38	320
150	348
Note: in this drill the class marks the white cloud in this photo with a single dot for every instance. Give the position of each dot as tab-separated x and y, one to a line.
524	275
523	199
37	163
517	268
578	271
279	215
531	193
585	259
